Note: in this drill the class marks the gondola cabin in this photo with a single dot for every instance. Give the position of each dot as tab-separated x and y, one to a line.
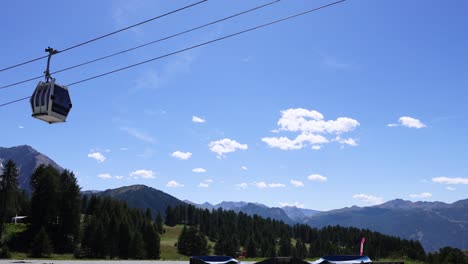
51	102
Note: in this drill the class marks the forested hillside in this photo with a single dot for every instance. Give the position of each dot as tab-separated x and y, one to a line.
60	220
268	237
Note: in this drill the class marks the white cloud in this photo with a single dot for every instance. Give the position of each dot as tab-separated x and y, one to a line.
199	170
174	184
261	185
300	119
350	141
411	122
244	168
124	149
421	195
312	129
181	155
20	127
197	119
283	143
296	204
145	174
450	188
368	198
105	176
276	185
97	156
242	185
139	134
206	183
296	183
317	178
407	121
119	177
452	181
226	145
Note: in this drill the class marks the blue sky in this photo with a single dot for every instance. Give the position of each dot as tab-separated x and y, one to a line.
356	104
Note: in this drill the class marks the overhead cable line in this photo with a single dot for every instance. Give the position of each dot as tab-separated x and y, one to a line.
106	35
193	47
143	45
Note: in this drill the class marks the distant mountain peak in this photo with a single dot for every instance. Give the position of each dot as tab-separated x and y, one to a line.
143	197
27	159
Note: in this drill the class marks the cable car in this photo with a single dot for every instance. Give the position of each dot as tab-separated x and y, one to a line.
51	102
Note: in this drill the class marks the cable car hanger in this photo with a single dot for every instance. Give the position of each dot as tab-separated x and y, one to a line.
50	101
47	72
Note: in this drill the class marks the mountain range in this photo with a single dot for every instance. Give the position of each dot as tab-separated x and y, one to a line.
434	224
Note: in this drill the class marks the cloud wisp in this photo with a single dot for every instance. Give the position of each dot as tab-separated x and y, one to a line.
295	204
139	134
199	170
181	155
409	122
226	145
174	184
451	181
317	178
297	183
197	119
145	174
371	199
421	195
98	156
261	185
105	176
205	184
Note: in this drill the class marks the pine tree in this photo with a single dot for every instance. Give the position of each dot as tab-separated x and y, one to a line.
8	193
69	213
41	245
219	246
284	246
182	241
170	217
159	223
251	247
45	198
152	241
124	240
192	242
300	250
137	246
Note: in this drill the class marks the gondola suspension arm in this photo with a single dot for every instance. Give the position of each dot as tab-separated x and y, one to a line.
47	72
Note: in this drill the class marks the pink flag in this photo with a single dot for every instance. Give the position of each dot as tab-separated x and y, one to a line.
363	240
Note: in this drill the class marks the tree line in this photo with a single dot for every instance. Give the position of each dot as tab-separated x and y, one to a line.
259	237
61	221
